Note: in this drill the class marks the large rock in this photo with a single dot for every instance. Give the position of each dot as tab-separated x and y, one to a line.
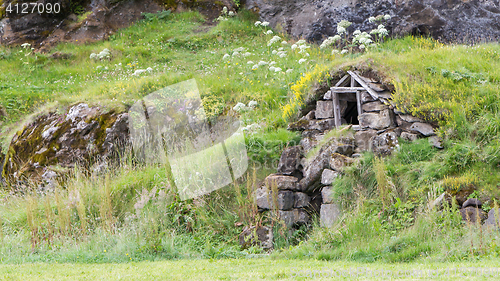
302	200
319	125
422	128
451	20
473	215
385	143
261	236
324	109
295	217
264	199
328	176
363	139
329	214
281	182
290	160
312	173
409	136
337	162
55	142
377	121
327	194
493	220
374	106
472	202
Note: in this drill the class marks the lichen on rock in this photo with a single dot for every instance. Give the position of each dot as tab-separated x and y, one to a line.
84	136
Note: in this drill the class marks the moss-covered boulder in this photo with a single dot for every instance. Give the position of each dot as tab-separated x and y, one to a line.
54	142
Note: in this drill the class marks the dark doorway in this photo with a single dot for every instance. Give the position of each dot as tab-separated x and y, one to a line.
351	113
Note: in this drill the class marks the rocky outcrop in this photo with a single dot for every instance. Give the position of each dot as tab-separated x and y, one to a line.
449	21
100	19
56	142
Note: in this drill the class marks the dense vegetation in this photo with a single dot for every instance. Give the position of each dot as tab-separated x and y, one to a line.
131	213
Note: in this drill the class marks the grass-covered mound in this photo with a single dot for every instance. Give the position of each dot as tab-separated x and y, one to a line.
131	212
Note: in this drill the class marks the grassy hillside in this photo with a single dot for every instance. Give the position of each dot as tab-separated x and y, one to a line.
133	214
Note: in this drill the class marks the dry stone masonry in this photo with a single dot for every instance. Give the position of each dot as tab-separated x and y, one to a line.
302	187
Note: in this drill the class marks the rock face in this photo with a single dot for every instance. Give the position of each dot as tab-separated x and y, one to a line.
473	215
450	20
493	220
106	16
85	135
261	236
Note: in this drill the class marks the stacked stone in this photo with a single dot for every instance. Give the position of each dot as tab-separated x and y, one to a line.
283	193
302	186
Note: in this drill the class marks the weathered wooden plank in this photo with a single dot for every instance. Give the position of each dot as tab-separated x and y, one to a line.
351	97
363	84
336	109
351	90
343	81
358	102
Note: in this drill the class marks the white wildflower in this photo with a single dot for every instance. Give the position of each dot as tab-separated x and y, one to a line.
226	56
335	52
274	52
247	54
344	52
344	23
281	49
361	46
257	23
149	69
294	46
138	72
269	32
93	56
341	30
380	26
239	107
383	32
224	10
282	55
284	42
252	104
278	69
235	54
372	19
231	14
255	67
26	45
387	17
261	63
289	70
272	63
356	32
301	41
265	23
250	62
272	68
301	61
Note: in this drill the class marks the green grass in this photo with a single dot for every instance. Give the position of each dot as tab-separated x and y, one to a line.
455	86
251	269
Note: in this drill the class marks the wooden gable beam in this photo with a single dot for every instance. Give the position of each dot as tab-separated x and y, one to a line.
342	90
364	85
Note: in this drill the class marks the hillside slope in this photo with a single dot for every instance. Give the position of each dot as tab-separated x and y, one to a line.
385	201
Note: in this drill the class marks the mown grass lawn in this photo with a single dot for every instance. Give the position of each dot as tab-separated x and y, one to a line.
253	269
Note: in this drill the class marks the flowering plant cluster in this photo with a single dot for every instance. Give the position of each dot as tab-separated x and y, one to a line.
360	40
104	54
225	14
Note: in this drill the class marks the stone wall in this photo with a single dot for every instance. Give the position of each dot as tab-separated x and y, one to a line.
302	188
